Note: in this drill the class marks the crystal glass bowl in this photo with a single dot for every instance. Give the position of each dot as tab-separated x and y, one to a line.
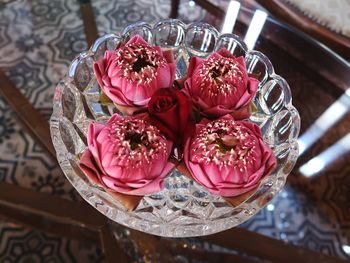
183	208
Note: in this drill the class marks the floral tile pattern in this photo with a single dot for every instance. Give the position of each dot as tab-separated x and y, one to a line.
39	38
22	244
111	16
31	38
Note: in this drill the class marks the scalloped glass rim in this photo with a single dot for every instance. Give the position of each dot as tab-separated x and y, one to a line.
183	208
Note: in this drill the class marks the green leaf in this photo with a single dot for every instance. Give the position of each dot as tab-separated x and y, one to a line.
104	100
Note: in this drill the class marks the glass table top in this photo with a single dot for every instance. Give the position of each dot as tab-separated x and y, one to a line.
39	38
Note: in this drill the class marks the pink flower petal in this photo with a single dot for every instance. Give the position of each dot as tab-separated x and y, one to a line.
224	178
194	63
137	39
230	192
225	53
88	166
94	130
248	94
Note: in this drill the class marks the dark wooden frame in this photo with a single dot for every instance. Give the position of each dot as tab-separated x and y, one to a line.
292	16
288	14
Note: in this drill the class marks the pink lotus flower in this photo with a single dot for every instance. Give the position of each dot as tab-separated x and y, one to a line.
127	155
228	157
220	85
130	75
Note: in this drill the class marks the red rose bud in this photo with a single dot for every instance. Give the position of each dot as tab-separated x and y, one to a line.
171	112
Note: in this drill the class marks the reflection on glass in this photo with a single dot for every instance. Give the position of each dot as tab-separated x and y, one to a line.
255	28
231	17
270	207
326	158
346	249
191	3
206	40
328	119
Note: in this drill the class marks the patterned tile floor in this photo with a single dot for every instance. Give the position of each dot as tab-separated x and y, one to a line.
39	38
22	244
